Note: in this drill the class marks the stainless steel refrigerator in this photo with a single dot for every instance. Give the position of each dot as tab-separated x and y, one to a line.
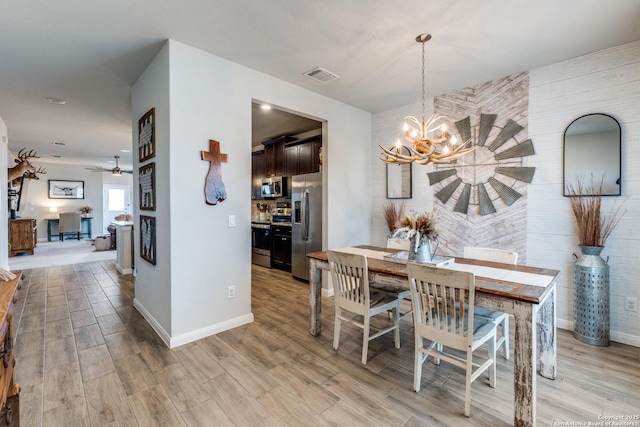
306	227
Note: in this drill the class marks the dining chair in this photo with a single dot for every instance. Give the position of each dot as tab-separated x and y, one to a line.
498	317
401	294
69	222
350	280
439	297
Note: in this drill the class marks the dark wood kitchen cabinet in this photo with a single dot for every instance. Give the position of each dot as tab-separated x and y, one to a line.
281	247
274	155
257	173
303	156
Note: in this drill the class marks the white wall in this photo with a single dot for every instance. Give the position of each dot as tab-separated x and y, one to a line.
4	205
603	82
199	256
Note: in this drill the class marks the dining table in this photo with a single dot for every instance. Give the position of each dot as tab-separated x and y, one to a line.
526	292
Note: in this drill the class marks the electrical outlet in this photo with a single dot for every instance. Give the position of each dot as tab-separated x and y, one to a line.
631	304
231	292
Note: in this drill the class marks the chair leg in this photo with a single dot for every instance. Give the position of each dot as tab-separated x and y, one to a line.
467	391
417	367
396	322
492	354
61	236
336	330
505	334
78	236
365	339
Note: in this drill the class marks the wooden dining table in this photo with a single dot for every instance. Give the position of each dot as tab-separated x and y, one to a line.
528	293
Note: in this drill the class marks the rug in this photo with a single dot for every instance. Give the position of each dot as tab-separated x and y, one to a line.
47	254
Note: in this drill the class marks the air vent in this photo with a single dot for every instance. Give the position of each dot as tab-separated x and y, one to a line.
321	75
58	143
56	156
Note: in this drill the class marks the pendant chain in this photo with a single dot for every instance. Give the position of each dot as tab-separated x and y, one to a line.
423	110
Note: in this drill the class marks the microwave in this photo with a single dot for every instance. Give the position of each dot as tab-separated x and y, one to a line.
275	186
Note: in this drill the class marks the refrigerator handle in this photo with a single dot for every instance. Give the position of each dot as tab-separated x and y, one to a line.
305	214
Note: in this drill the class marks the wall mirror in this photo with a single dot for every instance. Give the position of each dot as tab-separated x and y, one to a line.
399	179
592	149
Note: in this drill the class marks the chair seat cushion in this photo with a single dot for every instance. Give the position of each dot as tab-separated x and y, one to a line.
488	314
401	293
482	327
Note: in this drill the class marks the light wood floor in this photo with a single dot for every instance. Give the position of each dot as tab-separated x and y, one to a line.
85	357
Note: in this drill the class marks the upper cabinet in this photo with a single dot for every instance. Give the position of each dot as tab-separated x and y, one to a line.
303	156
274	155
257	173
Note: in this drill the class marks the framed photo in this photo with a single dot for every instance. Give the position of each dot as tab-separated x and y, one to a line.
147	183
148	238
147	136
62	189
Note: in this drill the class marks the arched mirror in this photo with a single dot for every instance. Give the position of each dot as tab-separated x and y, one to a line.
592	149
399	179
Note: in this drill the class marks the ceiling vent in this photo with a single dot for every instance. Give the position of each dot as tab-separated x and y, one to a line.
58	143
321	75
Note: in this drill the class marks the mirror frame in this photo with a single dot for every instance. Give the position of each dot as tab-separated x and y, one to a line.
595	179
408	165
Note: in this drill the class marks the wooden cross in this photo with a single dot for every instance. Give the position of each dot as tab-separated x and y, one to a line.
214	191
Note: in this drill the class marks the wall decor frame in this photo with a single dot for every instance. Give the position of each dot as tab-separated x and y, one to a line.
147	185
148	238
147	136
66	189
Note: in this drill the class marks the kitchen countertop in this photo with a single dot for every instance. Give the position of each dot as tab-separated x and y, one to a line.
284	224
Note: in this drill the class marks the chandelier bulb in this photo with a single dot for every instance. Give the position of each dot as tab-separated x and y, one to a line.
454	140
414	134
405	126
445	150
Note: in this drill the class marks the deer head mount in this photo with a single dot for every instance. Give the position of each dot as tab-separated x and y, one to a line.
29	175
23	165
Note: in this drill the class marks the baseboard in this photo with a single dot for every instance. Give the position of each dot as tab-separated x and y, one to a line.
615	336
188	337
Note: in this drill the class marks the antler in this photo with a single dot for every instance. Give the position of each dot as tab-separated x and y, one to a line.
23	157
426	154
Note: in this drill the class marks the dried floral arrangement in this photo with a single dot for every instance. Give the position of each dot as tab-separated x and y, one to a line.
262	207
593	228
421	225
86	209
392	213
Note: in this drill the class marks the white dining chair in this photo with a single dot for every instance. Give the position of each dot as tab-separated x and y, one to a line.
439	297
498	317
401	294
350	280
69	222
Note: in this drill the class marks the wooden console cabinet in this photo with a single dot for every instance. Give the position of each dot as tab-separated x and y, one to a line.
22	236
9	390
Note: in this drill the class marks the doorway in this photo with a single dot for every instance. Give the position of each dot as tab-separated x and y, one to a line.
116	201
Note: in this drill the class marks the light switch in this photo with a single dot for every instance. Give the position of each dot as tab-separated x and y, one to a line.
232	221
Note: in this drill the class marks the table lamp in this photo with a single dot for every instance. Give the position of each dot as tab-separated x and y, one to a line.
53	213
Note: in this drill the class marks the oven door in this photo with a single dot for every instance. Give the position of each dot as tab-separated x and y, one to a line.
261	246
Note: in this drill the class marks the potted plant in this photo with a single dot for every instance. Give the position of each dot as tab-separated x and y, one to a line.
85	210
420	229
392	213
590	271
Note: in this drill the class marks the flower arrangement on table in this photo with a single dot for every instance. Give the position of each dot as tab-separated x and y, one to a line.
85	210
418	227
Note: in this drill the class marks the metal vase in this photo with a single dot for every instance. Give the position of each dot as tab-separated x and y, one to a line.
591	297
423	250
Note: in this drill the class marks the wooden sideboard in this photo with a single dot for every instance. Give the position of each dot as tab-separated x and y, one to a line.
22	236
9	390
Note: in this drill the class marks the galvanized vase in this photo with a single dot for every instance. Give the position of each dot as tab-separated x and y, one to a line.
591	297
425	250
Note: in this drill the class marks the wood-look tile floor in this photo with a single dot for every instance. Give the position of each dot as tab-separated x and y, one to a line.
85	357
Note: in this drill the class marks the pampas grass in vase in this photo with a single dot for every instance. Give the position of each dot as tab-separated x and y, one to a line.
392	212
593	228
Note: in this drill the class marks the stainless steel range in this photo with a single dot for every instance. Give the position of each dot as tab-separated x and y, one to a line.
261	244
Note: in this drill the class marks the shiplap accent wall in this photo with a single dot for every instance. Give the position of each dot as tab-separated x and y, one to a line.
603	82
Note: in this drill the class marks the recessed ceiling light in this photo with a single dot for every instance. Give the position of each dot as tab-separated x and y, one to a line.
265	107
124	151
56	101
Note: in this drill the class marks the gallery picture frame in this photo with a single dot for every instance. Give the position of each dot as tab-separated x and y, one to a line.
66	189
147	186
148	238
147	136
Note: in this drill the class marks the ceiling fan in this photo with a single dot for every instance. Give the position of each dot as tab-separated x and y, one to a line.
115	171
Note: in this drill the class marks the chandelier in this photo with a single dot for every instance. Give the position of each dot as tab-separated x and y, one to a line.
431	143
